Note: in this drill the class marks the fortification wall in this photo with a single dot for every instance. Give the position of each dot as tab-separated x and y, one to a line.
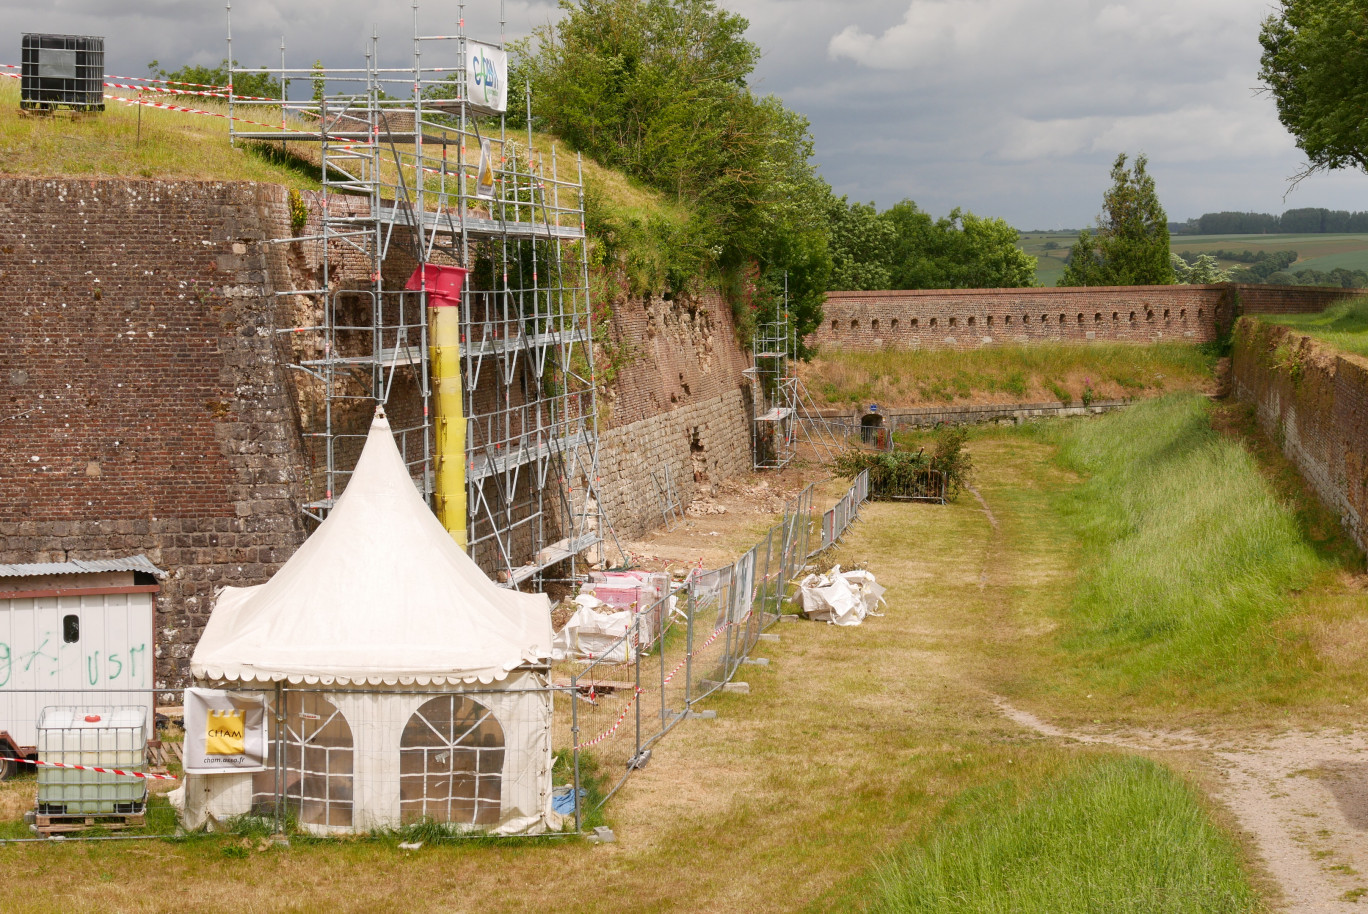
970	318
1313	401
677	399
143	407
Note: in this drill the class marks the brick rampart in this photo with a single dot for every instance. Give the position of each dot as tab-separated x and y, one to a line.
1313	401
143	407
970	318
677	399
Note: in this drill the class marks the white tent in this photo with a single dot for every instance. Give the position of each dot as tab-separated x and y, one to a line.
413	687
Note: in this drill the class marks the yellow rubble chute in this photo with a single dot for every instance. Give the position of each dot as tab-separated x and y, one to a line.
443	287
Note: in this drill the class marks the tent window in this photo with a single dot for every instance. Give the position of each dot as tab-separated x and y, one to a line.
451	764
317	771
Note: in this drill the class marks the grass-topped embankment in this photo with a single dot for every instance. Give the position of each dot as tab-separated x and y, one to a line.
1344	325
1037	373
1116	835
171	145
1187	555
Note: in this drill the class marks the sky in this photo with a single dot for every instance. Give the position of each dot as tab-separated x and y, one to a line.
1008	108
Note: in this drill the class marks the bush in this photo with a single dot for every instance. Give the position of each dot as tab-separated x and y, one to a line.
907	473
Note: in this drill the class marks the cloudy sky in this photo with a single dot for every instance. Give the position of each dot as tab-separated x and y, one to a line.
1011	108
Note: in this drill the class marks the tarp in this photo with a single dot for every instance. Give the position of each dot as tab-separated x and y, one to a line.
380	593
594	631
840	597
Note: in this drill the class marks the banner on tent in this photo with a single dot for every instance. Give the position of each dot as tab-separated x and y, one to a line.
224	731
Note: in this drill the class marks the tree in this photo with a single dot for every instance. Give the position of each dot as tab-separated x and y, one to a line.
1314	63
1130	246
261	84
1204	269
862	244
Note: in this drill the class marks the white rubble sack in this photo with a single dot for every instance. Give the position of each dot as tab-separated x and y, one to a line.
840	597
592	633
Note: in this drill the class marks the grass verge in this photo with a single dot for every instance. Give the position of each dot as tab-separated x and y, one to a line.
1343	325
1187	551
1115	834
1038	373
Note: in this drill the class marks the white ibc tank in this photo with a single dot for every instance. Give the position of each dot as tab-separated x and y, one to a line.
104	737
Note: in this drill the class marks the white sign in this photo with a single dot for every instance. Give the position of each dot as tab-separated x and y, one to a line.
487	76
224	731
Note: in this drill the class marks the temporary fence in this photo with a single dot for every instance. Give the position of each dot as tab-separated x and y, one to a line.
467	757
632	693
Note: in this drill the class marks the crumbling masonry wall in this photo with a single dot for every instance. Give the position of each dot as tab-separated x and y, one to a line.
677	400
143	407
1312	400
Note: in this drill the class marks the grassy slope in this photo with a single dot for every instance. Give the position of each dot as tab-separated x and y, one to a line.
1344	325
1121	835
172	145
1037	373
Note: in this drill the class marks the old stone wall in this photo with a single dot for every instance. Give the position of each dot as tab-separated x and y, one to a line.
143	407
677	399
970	318
1313	401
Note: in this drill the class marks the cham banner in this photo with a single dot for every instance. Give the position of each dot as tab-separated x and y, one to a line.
224	731
487	76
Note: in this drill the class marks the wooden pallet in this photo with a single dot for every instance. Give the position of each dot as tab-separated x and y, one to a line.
60	825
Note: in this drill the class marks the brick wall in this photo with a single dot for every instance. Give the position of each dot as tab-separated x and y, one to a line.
1313	401
678	399
970	318
142	403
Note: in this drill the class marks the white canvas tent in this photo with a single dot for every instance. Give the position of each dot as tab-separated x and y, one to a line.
412	687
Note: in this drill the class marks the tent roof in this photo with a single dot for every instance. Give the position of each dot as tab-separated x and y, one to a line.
379	593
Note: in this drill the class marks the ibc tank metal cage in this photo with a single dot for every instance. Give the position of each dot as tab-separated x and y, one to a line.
62	71
103	737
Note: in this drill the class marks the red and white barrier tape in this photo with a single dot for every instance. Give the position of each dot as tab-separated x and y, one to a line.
128	774
638	691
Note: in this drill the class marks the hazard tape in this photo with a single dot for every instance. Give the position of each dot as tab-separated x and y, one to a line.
128	774
142	88
639	691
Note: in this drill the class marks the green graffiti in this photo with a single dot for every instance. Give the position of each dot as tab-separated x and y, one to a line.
4	664
93	668
133	653
117	665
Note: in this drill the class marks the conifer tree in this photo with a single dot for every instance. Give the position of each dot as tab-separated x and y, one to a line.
1130	246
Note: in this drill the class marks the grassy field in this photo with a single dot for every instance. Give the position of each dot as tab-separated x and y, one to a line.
1316	252
1041	372
868	766
1116	834
1344	325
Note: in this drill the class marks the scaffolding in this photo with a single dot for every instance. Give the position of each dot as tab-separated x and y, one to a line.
780	405
437	178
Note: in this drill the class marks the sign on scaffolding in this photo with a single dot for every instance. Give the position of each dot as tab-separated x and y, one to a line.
487	76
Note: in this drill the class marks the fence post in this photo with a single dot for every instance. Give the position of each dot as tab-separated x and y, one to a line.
636	695
574	743
688	647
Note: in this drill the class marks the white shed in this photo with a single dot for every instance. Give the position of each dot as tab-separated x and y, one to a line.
402	684
73	633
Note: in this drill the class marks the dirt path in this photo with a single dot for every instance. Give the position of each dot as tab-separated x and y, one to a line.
1302	799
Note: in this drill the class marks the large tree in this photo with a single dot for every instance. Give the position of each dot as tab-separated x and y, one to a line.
905	248
1315	63
1130	246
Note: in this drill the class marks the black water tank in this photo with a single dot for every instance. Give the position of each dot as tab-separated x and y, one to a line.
62	71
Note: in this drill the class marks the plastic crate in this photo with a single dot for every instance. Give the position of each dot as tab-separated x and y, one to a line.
62	71
105	737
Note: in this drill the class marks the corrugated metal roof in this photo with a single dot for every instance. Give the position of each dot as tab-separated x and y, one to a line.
81	566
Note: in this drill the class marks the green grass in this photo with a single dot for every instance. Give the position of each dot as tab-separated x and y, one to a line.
1344	325
1115	835
1188	555
1040	372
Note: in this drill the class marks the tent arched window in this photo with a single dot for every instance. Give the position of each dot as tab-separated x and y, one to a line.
451	758
316	772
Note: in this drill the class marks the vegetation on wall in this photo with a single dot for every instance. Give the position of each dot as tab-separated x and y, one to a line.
659	89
